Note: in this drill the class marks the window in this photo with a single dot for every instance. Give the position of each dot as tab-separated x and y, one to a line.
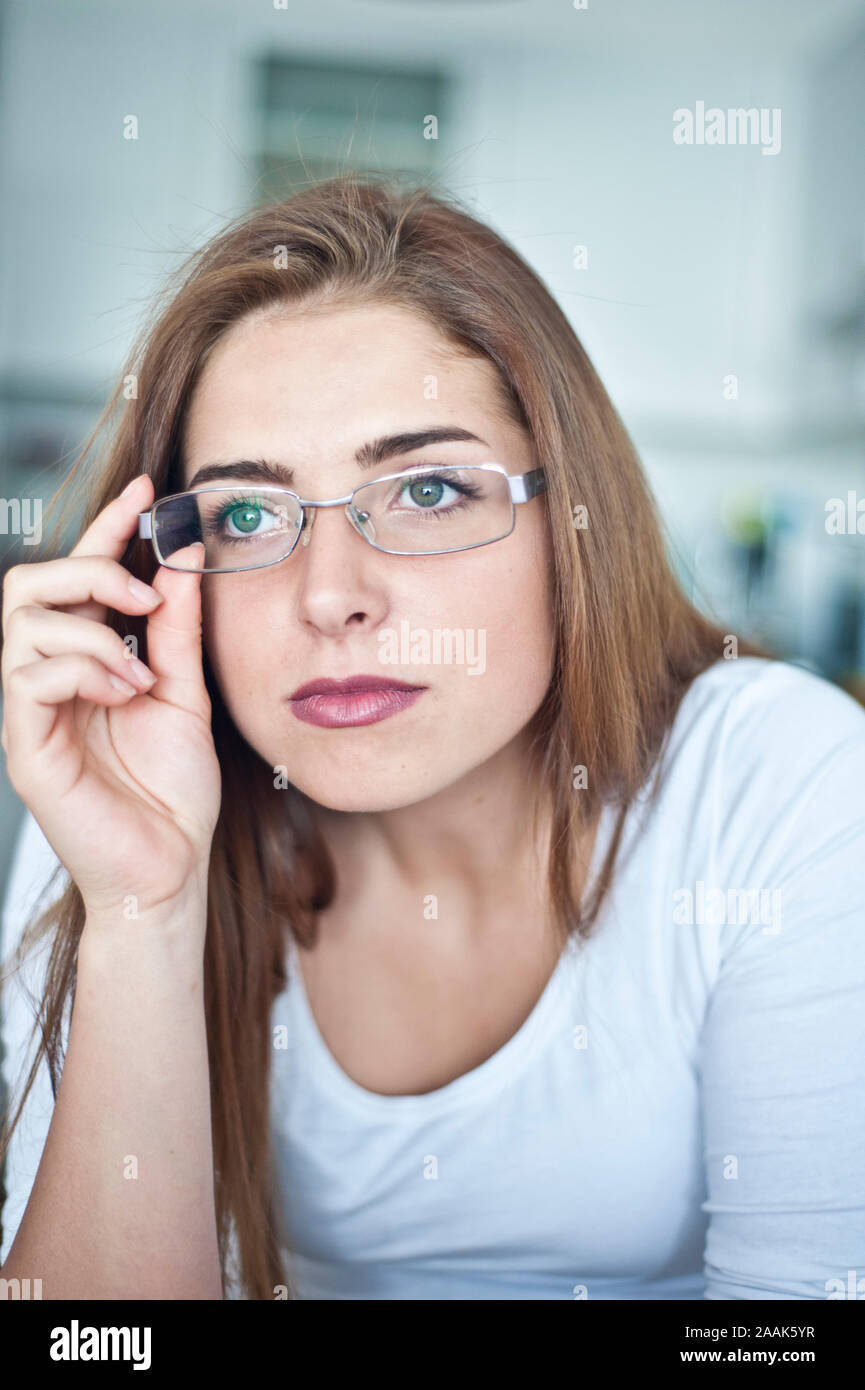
318	119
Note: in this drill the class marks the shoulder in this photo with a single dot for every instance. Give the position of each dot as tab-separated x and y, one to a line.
780	700
35	876
778	913
761	789
33	883
760	734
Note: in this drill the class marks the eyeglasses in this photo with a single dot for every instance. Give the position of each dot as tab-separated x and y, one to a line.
429	511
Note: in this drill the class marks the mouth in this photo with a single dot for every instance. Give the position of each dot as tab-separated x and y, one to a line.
340	704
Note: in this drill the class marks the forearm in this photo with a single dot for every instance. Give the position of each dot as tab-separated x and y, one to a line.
123	1201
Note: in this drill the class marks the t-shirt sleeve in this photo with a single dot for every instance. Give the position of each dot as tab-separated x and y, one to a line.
31	886
783	1042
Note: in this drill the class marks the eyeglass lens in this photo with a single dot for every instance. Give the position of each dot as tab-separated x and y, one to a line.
415	514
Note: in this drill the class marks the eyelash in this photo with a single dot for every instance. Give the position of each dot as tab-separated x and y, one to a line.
213	525
467	490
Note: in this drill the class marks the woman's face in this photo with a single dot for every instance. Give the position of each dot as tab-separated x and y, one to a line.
308	390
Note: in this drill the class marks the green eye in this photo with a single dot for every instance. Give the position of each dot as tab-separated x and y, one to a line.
245	518
426	492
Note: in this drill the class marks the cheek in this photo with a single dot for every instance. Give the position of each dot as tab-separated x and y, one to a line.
519	611
521	641
507	610
235	637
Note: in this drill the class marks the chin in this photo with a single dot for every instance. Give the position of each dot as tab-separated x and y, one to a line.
369	792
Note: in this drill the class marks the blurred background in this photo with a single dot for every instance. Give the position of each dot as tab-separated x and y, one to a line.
719	287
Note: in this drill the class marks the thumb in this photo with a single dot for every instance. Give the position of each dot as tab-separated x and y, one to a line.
174	636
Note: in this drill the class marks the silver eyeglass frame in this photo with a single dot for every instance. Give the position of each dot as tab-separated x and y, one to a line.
522	487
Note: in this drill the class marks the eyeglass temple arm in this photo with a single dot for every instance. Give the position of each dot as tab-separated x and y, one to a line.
525	486
145	525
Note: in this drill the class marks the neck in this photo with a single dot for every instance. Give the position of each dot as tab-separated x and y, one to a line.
471	847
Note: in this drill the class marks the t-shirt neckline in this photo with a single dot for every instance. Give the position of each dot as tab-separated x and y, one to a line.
489	1075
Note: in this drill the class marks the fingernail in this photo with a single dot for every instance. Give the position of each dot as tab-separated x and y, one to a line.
122	685
130	486
141	672
144	592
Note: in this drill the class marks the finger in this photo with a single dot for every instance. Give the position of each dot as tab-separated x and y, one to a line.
174	635
111	531
76	580
35	632
33	693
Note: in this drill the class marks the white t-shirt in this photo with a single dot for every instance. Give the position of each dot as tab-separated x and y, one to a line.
682	1115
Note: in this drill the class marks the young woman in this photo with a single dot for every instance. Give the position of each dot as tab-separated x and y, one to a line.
451	911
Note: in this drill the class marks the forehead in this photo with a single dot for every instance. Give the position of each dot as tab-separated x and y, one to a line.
314	381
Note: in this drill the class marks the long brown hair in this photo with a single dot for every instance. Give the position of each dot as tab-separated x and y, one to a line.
628	640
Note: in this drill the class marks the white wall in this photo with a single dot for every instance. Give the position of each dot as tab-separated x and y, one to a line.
694	253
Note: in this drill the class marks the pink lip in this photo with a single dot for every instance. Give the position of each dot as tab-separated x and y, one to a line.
337	704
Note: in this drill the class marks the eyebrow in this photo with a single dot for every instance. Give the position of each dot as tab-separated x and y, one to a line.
367	456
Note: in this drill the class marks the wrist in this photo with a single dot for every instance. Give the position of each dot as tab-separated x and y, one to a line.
181	917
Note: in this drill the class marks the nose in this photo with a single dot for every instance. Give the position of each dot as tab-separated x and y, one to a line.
355	517
340	584
306	528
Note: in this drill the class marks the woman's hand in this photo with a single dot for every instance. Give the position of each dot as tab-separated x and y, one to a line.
120	771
